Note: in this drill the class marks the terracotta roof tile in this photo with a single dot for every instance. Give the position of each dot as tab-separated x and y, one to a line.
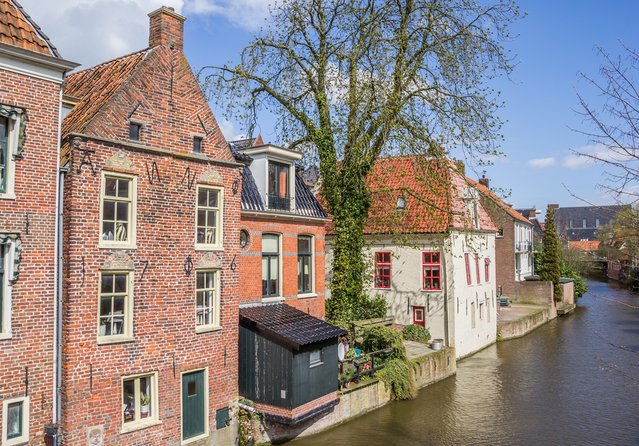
586	245
499	202
433	194
94	87
18	29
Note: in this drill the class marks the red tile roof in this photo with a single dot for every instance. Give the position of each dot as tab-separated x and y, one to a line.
586	245
433	191
18	29
499	202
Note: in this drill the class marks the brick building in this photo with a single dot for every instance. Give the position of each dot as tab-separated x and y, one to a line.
151	232
514	241
32	73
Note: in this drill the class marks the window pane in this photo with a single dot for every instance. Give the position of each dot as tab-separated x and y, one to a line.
264	276
110	187
107	283
128	400
213	198
199	282
105	306
120	283
201	218
108	230
14	420
123	188
123	211
145	397
202	197
121	231
210	283
270	243
108	210
304	245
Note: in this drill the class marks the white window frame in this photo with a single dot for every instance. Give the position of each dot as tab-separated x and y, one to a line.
131	242
200	328
311	293
12	151
127	334
7	287
24	438
218	245
207	427
317	362
280	264
141	423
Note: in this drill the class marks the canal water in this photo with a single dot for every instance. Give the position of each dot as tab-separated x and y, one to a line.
574	381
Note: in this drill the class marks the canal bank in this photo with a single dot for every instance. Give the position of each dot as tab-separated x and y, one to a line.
573	380
430	366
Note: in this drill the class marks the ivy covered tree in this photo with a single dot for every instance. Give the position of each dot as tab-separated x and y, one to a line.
349	80
550	264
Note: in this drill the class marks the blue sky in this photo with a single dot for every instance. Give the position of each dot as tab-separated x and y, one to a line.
555	41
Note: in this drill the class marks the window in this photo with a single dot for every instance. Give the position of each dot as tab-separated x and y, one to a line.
115	317
139	401
118	210
304	264
197	144
477	269
270	265
134	131
12	136
315	358
5	307
570	223
9	263
15	421
382	270
244	238
431	272
583	225
487	269
278	186
207	299
209	217
467	261
596	223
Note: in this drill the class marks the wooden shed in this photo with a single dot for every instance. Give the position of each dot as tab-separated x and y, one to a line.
288	363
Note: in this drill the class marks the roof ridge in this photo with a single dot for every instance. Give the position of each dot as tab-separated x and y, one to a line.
107	62
37	29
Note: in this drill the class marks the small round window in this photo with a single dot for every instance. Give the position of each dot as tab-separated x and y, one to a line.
244	238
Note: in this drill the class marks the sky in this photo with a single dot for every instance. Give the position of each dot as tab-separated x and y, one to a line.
553	44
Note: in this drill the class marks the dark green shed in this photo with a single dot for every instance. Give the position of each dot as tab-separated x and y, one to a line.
287	359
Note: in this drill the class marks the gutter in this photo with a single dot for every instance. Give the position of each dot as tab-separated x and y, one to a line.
446	321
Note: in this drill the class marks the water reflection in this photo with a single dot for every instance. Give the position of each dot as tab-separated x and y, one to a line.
574	381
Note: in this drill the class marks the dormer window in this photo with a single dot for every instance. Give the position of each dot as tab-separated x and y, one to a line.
134	131
278	186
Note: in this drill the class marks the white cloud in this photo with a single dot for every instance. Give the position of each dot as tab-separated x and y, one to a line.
248	14
542	162
229	130
577	159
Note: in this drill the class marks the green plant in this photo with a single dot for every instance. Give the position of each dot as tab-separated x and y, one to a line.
371	307
416	333
579	282
500	337
380	337
144	399
398	374
550	259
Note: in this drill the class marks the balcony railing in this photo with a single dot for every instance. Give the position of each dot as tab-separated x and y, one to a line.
524	247
277	203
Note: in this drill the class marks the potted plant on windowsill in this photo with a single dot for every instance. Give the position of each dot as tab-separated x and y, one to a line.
144	405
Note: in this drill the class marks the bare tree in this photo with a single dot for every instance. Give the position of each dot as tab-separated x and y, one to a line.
615	124
352	79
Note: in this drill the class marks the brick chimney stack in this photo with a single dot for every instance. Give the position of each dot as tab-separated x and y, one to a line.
484	182
166	27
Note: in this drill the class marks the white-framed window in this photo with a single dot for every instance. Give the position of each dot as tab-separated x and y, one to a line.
304	264
9	261
139	401
315	358
208	216
12	127
207	299
115	307
15	421
270	266
118	210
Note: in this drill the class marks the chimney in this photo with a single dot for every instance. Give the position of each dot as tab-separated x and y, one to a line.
166	28
484	181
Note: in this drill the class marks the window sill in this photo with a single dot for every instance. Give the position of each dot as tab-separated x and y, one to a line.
432	290
17	441
4	336
306	295
199	437
382	289
317	364
209	248
207	328
272	299
107	340
7	196
132	427
105	245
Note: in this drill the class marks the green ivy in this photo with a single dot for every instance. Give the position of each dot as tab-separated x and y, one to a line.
380	337
398	374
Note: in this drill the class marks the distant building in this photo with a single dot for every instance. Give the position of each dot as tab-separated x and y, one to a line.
581	223
538	226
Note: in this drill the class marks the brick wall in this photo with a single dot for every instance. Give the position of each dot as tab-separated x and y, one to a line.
251	261
31	344
504	248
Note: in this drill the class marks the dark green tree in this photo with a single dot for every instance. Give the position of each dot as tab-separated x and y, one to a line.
550	265
350	80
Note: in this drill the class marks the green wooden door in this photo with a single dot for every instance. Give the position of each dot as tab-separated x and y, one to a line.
193	401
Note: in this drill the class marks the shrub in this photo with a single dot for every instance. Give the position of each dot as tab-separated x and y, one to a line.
400	377
416	333
371	307
380	337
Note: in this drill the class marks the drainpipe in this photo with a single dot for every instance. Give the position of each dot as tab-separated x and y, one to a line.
443	257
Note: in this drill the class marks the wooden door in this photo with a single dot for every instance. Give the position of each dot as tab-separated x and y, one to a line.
193	405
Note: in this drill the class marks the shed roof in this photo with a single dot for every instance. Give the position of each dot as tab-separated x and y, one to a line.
286	325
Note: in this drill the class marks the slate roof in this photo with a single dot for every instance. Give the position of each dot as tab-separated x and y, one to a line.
17	28
578	214
286	325
432	190
251	197
499	202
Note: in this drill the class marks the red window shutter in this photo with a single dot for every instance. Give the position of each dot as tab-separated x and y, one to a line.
467	259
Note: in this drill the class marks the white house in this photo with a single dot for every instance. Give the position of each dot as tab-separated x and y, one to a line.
431	245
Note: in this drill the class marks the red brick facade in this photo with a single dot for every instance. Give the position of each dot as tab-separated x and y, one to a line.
162	94
288	228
